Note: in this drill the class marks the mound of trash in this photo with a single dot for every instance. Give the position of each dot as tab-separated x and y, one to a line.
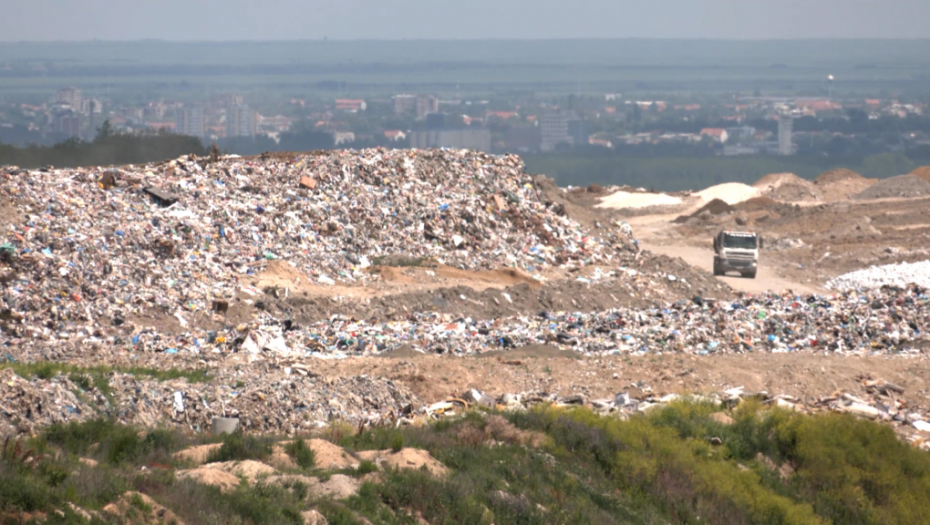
97	244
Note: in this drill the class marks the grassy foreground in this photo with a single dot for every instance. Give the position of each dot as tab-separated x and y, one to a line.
685	463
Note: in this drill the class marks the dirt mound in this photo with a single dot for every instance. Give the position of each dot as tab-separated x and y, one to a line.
210	476
402	352
411	458
756	204
923	172
787	187
714	207
841	184
837	175
139	508
530	351
198	454
902	186
776	179
249	469
330	456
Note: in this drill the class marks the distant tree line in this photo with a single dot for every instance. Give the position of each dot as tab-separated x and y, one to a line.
107	148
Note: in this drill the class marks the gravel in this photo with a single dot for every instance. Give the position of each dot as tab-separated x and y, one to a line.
900	186
901	274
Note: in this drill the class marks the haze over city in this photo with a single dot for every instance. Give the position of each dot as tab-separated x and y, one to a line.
231	20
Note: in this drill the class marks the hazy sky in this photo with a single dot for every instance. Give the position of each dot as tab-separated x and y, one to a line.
463	19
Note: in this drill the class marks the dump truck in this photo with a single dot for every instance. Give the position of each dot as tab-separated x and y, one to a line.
737	252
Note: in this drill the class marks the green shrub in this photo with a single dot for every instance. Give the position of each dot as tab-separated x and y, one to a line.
366	467
19	491
303	455
260	504
237	446
397	442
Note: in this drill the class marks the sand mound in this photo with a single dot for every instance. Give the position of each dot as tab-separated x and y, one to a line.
128	506
777	179
730	192
198	454
756	204
249	469
892	187
923	172
537	350
210	476
841	184
330	456
623	199
402	352
714	207
837	175
787	187
412	458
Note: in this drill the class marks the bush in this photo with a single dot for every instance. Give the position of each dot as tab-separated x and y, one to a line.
397	442
303	455
366	467
112	441
237	447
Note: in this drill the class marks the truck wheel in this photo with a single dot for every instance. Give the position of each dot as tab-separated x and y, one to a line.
751	275
717	271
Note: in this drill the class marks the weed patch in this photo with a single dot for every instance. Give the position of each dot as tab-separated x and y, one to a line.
301	453
238	446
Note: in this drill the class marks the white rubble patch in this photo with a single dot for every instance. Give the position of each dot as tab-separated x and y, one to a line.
624	199
901	274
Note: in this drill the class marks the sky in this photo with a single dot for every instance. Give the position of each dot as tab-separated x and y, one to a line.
223	20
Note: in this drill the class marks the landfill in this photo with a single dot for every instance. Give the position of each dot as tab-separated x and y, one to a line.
150	266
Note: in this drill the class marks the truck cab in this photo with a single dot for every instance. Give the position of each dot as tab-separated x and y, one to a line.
737	252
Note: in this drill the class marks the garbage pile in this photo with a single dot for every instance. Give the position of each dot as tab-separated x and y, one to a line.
887	320
23	402
99	244
283	400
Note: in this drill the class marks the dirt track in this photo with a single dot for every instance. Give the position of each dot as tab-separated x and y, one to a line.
704	258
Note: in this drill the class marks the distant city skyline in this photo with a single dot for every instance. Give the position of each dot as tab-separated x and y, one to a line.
238	20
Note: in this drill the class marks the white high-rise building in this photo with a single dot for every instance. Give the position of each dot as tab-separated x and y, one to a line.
785	128
241	121
554	130
426	104
72	97
189	121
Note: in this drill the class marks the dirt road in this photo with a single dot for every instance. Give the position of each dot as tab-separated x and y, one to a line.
704	258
